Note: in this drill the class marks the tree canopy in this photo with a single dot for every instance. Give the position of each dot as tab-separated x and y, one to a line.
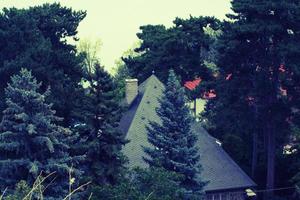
183	47
255	86
31	141
36	38
100	140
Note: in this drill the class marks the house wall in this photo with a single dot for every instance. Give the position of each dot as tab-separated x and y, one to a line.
237	195
200	105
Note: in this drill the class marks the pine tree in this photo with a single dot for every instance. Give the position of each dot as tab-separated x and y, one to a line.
30	141
100	139
173	141
259	66
184	47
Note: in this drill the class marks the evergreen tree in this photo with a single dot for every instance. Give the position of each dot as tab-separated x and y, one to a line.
173	141
294	155
36	37
183	47
30	141
100	139
259	68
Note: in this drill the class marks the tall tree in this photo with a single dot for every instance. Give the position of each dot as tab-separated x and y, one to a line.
37	39
30	141
257	73
173	141
183	47
101	141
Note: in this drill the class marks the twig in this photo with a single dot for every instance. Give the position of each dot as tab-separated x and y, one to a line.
70	180
49	184
148	197
77	190
36	186
2	195
88	198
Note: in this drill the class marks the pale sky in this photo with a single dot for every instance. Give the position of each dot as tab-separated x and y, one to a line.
116	22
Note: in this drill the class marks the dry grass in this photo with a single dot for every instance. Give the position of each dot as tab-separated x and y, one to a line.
38	187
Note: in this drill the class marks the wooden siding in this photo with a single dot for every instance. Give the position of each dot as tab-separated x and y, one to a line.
239	195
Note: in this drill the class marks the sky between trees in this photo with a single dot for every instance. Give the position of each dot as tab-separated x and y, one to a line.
116	22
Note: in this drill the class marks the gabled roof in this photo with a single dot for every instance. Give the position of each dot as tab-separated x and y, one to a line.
134	122
218	168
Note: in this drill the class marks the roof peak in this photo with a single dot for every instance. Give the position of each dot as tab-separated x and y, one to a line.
151	78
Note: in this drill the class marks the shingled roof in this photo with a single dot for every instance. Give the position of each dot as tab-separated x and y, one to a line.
218	168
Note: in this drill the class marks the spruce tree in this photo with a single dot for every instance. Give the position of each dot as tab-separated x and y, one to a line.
100	138
173	141
36	37
30	141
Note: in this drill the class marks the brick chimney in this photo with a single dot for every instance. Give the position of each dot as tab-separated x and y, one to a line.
131	90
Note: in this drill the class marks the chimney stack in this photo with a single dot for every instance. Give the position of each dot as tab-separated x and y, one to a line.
131	90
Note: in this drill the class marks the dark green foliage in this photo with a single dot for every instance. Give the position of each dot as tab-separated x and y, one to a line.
141	184
37	39
294	162
173	141
100	139
257	82
30	141
233	143
183	47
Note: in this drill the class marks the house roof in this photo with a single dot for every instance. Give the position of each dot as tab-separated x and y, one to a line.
218	168
191	85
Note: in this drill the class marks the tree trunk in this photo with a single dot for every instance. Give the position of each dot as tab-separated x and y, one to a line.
271	161
254	144
254	155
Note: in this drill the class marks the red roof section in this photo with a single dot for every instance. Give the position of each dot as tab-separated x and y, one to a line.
191	85
210	95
